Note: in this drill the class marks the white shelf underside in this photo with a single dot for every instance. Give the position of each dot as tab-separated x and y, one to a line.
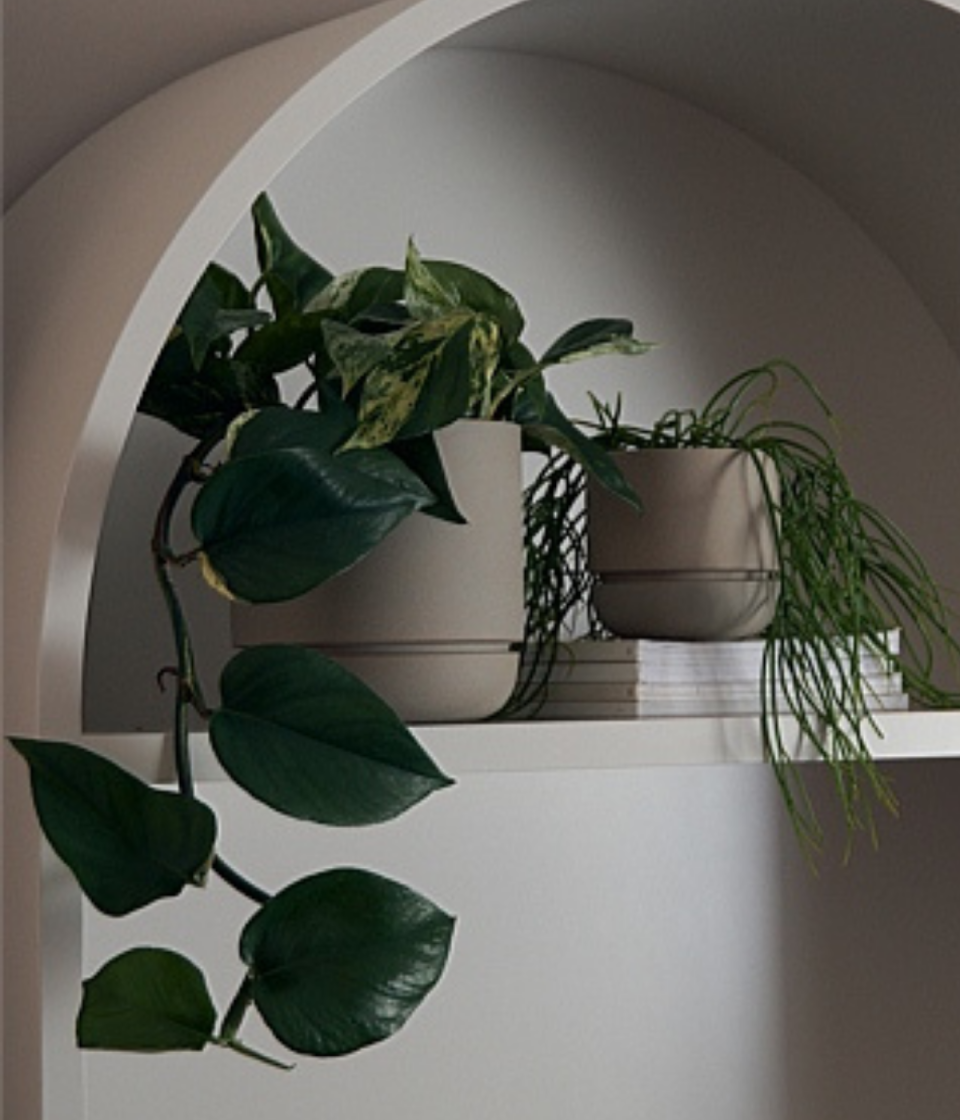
533	746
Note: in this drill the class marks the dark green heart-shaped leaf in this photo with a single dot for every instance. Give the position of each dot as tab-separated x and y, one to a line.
292	277
300	733
273	525
127	844
283	344
594	337
218	306
425	382
282	428
435	287
202	402
413	464
196	385
546	424
277	428
147	1000
341	960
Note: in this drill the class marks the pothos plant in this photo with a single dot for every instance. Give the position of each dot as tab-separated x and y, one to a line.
313	400
847	576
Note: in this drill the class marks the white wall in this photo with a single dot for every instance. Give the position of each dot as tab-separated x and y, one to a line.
631	943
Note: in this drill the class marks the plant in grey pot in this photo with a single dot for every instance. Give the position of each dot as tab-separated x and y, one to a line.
429	362
282	497
833	577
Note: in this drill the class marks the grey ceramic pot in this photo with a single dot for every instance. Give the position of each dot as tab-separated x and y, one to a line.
430	619
700	562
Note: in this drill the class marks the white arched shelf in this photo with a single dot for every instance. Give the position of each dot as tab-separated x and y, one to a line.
103	251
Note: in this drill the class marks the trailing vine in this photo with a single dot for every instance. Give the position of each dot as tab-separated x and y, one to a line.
282	498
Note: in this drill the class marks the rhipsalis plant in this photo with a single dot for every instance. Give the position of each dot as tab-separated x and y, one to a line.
313	400
847	576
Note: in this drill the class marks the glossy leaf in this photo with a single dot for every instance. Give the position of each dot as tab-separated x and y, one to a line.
203	402
219	305
354	354
425	382
283	344
359	294
278	428
303	735
275	429
422	456
546	424
195	384
341	960
146	1000
425	294
292	277
273	525
127	844
594	337
408	464
435	287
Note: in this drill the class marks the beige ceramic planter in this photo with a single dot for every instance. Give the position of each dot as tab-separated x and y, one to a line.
700	562
431	619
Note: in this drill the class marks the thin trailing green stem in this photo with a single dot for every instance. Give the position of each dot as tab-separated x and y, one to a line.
239	882
847	577
189	692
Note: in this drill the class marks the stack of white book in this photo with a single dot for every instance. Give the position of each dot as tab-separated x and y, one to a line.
637	678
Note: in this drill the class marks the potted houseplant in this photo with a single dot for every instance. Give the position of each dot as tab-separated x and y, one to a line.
840	576
286	490
420	361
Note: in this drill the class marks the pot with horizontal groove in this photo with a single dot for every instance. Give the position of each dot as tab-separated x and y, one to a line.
432	618
700	562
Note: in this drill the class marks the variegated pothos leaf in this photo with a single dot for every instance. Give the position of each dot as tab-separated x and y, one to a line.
437	350
425	295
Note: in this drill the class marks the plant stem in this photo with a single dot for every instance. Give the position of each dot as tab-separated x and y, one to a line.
237	1010
239	882
230	1027
189	690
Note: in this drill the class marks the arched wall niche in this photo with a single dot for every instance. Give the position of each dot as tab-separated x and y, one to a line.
718	250
96	287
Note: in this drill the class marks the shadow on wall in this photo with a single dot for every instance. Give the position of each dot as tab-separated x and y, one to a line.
871	963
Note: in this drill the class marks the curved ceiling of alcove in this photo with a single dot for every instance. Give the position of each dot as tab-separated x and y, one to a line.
862	96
